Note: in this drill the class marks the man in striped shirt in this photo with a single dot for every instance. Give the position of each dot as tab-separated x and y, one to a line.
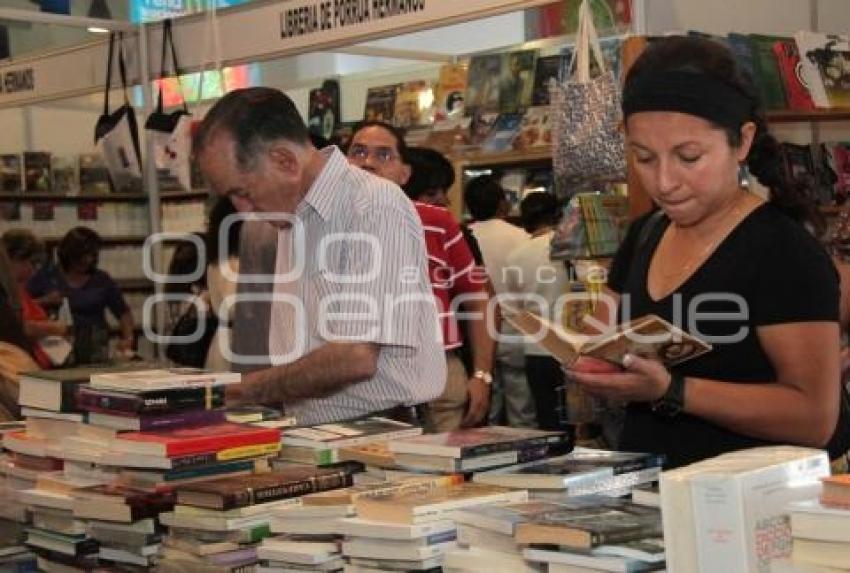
456	280
335	317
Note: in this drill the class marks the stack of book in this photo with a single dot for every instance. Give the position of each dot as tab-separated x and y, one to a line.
583	471
234	507
14	555
321	444
821	528
730	513
474	449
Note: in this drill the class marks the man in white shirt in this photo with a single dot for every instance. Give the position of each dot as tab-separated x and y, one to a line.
336	318
511	402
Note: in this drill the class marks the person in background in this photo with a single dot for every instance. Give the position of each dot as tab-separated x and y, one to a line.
512	402
724	263
25	254
379	148
90	292
222	269
533	273
303	335
11	315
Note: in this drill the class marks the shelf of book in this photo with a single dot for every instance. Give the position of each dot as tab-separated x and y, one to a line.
536	155
111	197
817	115
183	195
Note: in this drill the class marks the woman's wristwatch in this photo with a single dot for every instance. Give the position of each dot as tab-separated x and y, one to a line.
673	400
484	376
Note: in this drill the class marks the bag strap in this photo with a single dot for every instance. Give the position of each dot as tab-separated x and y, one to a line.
587	40
122	68
108	86
168	39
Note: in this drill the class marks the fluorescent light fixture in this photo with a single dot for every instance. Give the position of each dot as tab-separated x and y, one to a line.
99	9
96	30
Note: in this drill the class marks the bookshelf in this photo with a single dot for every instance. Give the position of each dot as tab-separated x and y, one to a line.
817	115
110	198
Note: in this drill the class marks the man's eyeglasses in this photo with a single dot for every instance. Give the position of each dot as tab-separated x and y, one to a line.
381	154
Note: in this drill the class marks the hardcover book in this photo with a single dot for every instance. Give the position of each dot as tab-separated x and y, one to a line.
825	62
477	441
380	103
196	440
450	91
231	493
547	69
791	70
11	173
119	503
767	75
517	82
587	527
650	336
581	469
482	90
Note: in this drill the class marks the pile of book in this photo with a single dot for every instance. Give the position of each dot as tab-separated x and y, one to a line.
108	447
216	525
820	529
731	513
14	555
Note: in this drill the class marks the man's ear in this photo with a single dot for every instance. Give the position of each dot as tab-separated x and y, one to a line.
406	172
284	158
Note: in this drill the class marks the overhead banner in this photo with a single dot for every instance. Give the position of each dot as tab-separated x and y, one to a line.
254	32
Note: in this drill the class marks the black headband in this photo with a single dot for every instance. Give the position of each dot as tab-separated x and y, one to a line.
691	93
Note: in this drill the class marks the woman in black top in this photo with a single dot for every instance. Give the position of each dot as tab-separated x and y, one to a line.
723	264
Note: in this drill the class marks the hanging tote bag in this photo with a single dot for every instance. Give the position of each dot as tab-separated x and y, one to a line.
588	141
171	133
116	134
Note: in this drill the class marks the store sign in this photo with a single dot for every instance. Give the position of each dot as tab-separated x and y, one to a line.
322	15
154	10
15	81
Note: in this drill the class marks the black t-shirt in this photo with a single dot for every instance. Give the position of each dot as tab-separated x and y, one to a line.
769	270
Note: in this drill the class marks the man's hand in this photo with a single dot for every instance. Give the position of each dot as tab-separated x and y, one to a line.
479	403
247	391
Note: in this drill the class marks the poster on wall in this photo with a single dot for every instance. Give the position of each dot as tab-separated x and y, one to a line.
323	114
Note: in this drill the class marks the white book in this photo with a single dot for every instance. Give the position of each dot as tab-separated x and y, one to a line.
745	495
811	520
266	510
46	499
286	567
162	379
474	559
142	526
302	552
304	526
170	519
300	511
384	530
597	562
374	549
398	564
471	536
28	412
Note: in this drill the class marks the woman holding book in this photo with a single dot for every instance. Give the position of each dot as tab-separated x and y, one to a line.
730	267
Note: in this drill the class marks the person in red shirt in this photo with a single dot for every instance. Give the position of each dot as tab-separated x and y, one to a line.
24	250
380	149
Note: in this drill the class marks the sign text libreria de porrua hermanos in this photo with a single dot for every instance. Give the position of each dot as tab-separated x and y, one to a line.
305	18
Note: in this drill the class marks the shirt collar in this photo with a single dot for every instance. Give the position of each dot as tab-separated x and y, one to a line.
320	197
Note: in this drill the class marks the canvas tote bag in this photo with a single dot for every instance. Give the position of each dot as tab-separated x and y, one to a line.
171	133
116	133
588	141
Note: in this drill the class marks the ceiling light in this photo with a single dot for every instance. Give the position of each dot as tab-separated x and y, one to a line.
99	9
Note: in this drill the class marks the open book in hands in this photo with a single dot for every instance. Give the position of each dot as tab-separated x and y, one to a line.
649	336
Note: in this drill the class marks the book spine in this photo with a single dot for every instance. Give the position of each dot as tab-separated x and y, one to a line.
68	402
221	442
644	463
247	452
208	470
183	462
150	402
496	447
180	419
277	492
598	538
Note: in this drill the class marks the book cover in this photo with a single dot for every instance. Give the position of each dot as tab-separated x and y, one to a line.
767	75
505	518
517	82
475	463
38	176
162	379
791	70
535	129
231	493
577	469
647	336
450	91
348	433
477	441
434	504
587	527
324	103
501	137
825	60
483	84
414	104
65	179
196	440
742	49
11	173
152	402
93	174
380	103
547	69
349	495
150	422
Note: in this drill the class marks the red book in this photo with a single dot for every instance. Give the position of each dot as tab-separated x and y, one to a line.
194	440
791	70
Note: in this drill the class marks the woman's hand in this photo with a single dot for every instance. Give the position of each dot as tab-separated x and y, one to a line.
642	380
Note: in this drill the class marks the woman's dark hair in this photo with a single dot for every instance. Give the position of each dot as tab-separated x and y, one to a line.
483	196
22	245
796	197
215	250
185	261
398	135
539	210
77	243
429	170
